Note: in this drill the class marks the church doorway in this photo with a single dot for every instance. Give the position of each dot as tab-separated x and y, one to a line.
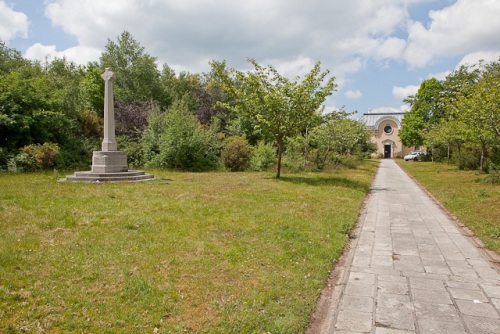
387	151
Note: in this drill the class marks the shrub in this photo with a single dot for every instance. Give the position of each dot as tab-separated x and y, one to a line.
133	148
293	157
236	153
469	159
177	140
264	157
4	157
44	155
22	162
494	174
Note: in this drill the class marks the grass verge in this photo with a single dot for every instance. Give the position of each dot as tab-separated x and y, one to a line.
207	252
475	203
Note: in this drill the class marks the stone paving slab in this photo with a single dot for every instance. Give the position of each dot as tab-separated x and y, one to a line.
413	270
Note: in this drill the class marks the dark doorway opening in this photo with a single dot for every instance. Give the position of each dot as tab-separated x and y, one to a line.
387	152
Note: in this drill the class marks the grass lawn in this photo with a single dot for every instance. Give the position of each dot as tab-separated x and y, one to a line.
204	252
474	203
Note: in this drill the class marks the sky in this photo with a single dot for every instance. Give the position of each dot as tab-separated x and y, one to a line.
379	51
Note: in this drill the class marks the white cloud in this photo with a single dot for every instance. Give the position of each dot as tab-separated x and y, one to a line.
466	26
12	23
475	57
79	54
402	93
353	94
287	34
440	75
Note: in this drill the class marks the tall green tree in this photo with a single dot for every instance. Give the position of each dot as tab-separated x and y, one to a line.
137	76
426	110
478	108
280	106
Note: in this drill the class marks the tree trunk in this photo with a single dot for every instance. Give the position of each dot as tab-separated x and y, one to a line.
306	148
483	149
326	155
280	153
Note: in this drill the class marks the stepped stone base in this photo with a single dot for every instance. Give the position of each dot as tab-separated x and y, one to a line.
109	166
128	176
109	162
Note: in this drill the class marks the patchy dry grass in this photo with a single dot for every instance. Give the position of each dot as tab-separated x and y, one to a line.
209	252
475	203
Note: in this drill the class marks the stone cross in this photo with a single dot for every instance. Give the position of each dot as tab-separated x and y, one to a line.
109	141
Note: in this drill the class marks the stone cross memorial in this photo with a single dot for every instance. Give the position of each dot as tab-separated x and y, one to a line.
109	164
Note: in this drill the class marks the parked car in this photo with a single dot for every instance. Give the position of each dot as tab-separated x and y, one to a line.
415	155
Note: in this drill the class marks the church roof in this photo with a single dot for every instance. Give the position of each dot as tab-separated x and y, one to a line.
372	119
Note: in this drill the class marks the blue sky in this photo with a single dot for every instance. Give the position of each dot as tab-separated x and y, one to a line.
379	51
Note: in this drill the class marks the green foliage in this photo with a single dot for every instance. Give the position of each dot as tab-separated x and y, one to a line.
281	107
134	150
461	111
22	162
494	175
137	77
236	154
264	157
469	159
175	139
293	157
426	110
339	135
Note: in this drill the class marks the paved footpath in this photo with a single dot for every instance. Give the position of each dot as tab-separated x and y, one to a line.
413	269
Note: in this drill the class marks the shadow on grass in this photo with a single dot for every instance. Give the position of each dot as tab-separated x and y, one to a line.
326	181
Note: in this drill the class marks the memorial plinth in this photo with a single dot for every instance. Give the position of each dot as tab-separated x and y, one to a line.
109	164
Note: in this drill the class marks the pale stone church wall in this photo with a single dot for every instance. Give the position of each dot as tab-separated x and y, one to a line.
380	138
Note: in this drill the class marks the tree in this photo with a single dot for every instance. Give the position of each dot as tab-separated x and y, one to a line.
10	59
478	108
280	106
426	110
137	77
339	134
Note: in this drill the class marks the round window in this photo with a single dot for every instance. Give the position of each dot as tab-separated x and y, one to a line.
388	129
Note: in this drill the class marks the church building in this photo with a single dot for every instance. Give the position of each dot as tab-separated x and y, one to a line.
385	129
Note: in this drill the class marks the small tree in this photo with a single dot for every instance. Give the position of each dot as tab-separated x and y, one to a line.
280	106
338	135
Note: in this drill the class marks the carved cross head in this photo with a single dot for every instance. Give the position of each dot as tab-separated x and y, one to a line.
108	75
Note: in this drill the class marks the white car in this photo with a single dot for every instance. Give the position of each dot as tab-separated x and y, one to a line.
416	155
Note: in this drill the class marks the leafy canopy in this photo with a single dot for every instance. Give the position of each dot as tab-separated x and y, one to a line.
279	106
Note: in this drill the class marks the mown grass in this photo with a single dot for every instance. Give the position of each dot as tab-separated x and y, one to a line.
207	252
475	203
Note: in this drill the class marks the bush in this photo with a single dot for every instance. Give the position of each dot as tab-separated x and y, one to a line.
175	139
236	154
469	159
4	157
23	162
44	155
264	157
293	157
494	174
133	148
